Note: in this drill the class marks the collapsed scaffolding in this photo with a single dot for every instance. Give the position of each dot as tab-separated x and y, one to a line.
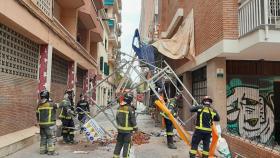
153	75
154	80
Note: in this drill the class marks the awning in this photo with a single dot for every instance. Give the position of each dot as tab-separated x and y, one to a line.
181	45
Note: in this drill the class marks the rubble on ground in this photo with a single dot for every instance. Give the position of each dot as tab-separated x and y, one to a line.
140	138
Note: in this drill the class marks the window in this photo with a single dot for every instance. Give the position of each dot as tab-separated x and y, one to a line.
80	77
18	55
101	63
199	84
106	69
45	6
59	70
105	43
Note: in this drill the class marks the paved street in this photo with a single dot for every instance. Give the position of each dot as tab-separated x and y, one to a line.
156	148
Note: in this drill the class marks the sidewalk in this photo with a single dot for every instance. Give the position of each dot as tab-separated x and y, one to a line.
156	148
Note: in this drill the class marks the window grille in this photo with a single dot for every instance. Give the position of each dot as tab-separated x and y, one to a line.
80	77
18	55
199	84
45	6
59	70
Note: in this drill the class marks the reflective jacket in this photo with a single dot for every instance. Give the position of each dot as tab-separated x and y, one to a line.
82	104
46	113
126	119
205	117
172	108
66	108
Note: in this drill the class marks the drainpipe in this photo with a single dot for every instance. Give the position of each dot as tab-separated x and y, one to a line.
266	10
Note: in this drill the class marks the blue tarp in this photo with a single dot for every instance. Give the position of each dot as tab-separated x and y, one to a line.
145	52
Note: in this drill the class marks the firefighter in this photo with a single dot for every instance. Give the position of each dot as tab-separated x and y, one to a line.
82	109
126	122
46	117
172	106
66	114
205	117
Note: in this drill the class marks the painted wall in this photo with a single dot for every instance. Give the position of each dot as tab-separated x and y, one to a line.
250	108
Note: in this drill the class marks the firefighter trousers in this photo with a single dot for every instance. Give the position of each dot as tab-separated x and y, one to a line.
68	129
82	119
169	130
47	139
197	137
123	141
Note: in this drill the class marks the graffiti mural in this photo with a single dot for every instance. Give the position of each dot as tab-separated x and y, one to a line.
250	108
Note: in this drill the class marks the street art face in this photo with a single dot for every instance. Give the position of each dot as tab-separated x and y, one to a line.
249	112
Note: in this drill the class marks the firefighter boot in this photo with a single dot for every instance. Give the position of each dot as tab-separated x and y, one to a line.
170	143
53	153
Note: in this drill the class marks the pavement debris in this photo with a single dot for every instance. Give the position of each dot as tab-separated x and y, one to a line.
80	152
140	138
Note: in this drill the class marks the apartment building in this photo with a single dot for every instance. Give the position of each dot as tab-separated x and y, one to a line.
236	62
107	51
54	45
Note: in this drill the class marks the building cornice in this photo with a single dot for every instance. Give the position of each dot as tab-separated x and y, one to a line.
59	30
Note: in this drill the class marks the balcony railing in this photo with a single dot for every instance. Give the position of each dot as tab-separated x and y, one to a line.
258	14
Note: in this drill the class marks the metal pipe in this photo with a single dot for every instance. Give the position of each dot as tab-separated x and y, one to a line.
266	18
181	84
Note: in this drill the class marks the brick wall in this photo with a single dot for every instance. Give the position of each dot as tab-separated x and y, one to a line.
249	149
57	91
79	90
214	20
18	102
230	19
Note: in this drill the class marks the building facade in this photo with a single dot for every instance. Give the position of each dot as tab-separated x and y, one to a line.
236	62
107	51
54	45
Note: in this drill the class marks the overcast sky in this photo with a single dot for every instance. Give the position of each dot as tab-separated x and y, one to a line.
131	10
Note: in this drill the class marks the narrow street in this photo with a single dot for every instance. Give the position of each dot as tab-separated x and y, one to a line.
155	148
207	70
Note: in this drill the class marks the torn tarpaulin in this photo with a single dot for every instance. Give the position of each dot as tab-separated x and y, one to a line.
145	52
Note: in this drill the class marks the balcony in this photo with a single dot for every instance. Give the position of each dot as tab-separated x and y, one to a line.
259	14
108	2
71	4
259	32
111	58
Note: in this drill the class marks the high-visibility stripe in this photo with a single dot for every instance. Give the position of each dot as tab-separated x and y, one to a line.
45	108
128	151
123	111
193	152
200	119
125	128
203	128
50	114
169	133
205	152
46	123
116	156
126	120
209	110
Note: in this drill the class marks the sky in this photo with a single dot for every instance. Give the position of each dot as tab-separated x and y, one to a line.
131	11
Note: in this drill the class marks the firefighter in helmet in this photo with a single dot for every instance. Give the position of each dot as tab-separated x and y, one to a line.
205	117
172	106
126	122
66	115
46	117
82	109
